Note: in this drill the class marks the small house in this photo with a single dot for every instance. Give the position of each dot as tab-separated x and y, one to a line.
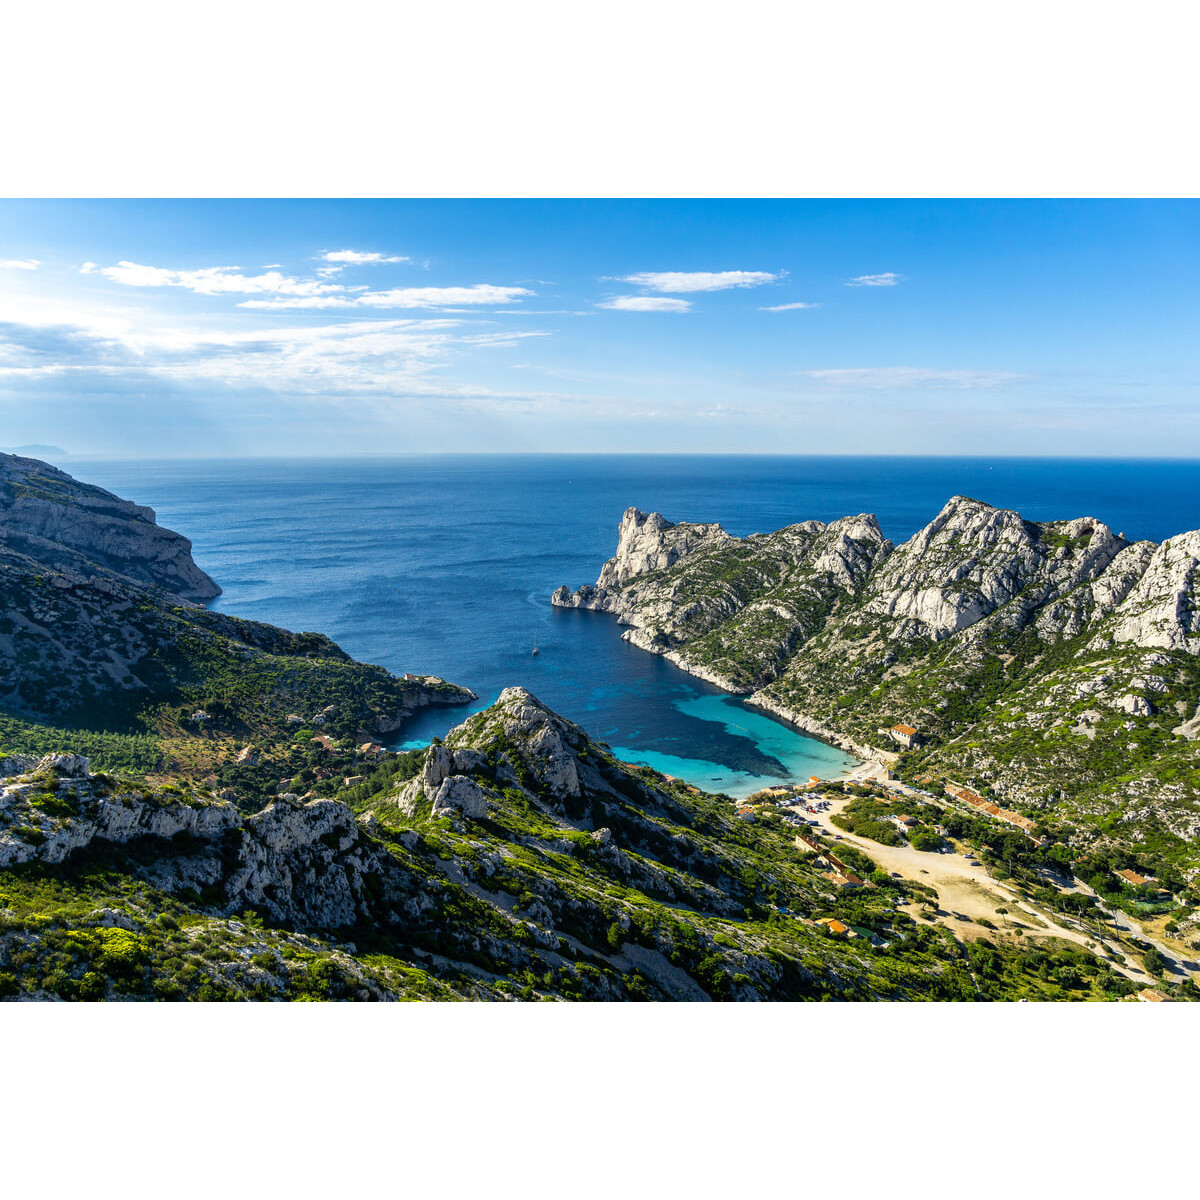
1134	879
906	735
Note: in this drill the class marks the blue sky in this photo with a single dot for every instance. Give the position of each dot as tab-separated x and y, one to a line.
164	328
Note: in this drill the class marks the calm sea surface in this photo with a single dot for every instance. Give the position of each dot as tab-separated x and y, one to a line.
445	565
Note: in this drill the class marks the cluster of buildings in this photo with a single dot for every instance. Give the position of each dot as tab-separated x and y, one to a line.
841	874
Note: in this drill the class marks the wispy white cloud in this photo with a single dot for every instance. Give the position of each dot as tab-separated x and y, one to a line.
427	297
382	356
355	257
213	281
646	304
20	264
788	307
699	281
281	291
887	279
877	378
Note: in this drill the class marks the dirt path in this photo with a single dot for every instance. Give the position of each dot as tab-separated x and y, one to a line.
967	892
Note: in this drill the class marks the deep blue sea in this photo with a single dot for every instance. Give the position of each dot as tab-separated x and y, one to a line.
445	565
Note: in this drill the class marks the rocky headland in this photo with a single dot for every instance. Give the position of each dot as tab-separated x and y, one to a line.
1052	664
79	528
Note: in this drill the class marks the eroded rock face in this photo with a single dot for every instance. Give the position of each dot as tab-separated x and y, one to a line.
445	785
64	523
649	542
302	863
971	559
760	597
1163	608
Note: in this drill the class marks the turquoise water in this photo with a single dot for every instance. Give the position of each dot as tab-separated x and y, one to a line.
445	565
800	756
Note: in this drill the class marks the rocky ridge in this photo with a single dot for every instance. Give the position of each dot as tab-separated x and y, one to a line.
1041	660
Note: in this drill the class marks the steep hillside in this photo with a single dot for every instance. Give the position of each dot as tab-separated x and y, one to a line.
97	633
519	860
1052	665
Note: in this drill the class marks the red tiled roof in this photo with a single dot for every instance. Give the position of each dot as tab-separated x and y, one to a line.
1131	877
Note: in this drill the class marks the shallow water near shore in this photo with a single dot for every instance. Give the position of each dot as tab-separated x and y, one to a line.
445	565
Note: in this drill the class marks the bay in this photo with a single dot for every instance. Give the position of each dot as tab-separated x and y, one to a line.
445	565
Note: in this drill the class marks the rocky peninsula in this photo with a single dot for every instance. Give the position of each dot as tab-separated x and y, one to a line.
1053	665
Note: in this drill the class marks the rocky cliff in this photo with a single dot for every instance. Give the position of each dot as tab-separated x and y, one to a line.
1045	661
78	527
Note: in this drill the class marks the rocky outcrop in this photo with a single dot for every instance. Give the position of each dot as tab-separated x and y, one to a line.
972	559
729	610
444	784
301	863
648	542
80	528
1163	608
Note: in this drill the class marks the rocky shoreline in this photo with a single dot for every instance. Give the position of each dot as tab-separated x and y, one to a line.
648	543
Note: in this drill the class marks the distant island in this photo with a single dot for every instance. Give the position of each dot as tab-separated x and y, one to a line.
194	806
37	451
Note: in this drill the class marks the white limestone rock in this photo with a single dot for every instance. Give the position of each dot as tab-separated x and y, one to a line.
649	542
1163	609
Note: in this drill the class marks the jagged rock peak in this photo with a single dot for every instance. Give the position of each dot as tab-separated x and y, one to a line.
972	558
649	542
75	527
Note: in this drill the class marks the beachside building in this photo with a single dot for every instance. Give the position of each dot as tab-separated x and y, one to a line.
906	735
